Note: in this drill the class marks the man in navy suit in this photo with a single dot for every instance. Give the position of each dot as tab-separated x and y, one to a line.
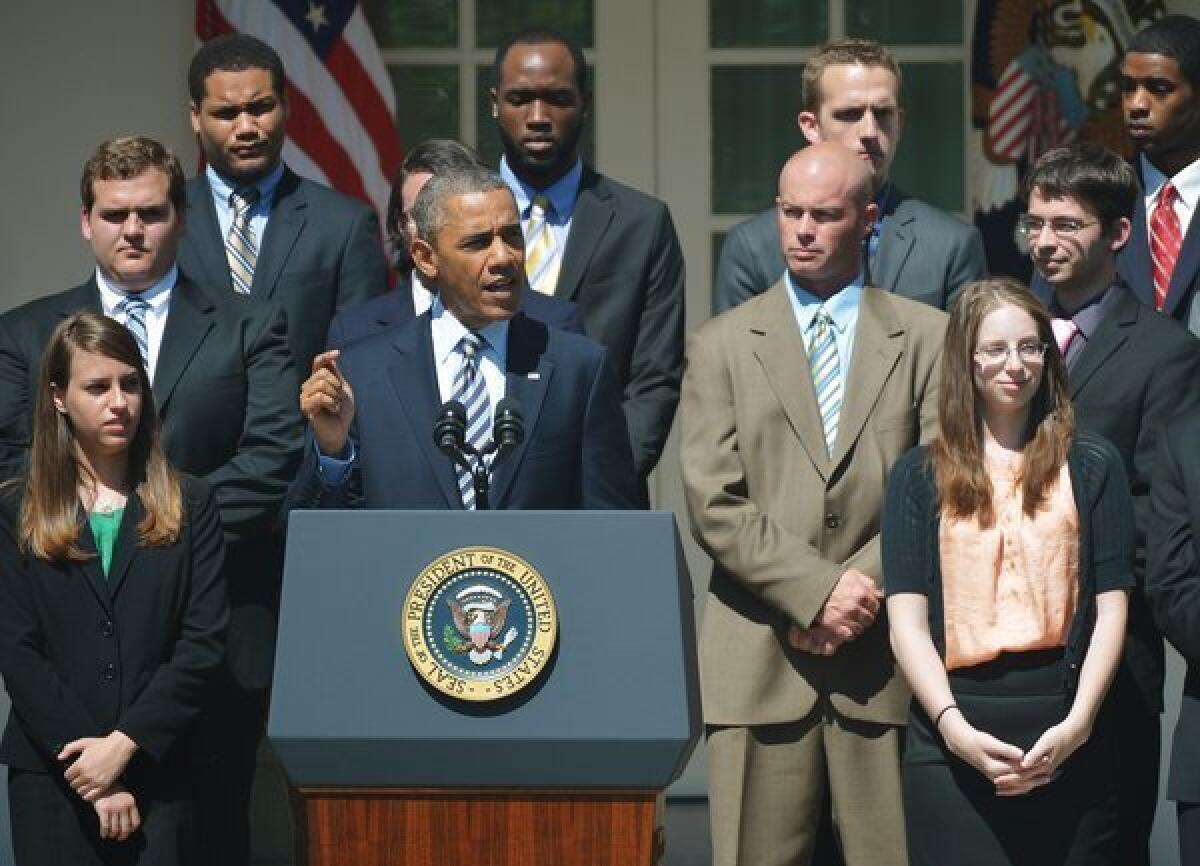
310	249
1160	97
411	297
372	405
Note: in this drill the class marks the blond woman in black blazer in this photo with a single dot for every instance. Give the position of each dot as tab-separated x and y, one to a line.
112	615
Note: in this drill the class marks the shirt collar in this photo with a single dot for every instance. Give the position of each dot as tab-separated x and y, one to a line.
1088	317
1187	182
561	193
112	294
842	306
222	188
447	333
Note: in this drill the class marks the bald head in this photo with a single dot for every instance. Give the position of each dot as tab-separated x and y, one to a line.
825	210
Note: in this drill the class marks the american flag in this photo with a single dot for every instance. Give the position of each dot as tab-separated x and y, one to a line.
342	130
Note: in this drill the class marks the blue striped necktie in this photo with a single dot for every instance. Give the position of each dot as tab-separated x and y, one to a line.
471	390
134	309
241	247
826	373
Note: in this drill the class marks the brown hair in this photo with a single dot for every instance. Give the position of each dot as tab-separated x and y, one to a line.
963	486
844	52
130	157
50	525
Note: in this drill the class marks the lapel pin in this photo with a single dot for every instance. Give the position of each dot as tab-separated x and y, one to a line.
535	376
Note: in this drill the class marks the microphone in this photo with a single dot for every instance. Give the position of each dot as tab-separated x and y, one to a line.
450	431
508	428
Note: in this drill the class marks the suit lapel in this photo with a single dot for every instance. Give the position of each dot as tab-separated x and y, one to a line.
526	380
125	548
1185	268
896	241
82	297
204	231
1134	263
874	355
283	228
784	360
412	375
593	212
188	322
1105	342
93	570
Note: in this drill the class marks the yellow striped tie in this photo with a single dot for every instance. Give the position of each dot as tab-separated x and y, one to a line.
542	257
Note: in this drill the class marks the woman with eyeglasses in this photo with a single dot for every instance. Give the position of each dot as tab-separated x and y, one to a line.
112	615
1007	553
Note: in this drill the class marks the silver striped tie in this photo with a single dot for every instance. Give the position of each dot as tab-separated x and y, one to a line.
826	373
241	247
134	309
471	390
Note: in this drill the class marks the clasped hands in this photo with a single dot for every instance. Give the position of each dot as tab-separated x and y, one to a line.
848	612
97	764
1010	770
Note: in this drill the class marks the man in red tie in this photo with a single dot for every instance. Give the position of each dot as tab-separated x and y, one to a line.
1129	370
1160	97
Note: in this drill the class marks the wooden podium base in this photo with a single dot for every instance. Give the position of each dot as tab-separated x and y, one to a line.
439	827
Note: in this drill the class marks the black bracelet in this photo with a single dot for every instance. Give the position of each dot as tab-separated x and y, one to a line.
938	721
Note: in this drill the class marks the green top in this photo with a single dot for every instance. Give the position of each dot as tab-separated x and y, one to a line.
104	529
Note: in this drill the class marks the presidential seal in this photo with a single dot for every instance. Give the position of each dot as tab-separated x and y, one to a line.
480	624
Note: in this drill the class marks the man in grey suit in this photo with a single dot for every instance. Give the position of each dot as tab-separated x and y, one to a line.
852	96
609	248
254	226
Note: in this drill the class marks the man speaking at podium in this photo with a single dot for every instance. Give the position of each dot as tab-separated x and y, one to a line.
372	407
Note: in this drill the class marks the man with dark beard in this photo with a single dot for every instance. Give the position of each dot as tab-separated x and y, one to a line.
588	239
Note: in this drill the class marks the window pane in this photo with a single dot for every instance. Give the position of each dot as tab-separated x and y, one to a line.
754	132
414	23
929	164
939	22
426	102
489	139
758	23
498	20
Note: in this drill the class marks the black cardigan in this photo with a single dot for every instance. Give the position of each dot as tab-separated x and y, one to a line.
912	560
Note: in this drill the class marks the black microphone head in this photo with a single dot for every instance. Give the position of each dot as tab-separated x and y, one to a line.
508	428
450	428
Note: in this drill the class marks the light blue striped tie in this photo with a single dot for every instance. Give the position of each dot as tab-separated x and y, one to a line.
826	373
134	309
241	247
471	390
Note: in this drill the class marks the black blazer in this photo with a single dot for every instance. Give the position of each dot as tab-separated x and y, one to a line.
624	268
83	655
1173	584
396	307
575	453
225	388
1136	372
321	252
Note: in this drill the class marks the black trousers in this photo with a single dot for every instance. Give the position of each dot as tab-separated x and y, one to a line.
52	826
1139	732
1189	833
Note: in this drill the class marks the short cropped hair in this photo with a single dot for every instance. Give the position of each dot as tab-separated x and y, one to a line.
844	52
1174	36
233	52
544	36
433	156
1089	173
429	210
129	157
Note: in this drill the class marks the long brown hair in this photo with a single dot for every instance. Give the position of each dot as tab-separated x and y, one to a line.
50	523
963	486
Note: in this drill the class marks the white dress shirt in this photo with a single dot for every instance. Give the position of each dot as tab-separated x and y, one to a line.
158	299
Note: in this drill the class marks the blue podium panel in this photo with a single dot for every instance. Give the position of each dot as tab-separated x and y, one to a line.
617	705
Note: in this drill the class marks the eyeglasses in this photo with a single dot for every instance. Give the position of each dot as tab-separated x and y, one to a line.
1061	226
995	354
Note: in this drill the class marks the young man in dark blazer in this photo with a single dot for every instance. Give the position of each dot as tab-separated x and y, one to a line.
310	249
224	385
372	406
610	249
1130	370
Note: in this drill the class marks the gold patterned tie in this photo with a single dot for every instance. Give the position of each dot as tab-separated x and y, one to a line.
542	257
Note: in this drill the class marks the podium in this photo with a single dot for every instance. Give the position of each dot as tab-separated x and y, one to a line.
385	768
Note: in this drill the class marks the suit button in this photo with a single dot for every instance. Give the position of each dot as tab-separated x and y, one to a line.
107	629
109	672
832	521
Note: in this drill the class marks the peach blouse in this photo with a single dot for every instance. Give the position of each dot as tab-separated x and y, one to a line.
1010	587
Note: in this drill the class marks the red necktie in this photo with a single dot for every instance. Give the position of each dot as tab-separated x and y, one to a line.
1165	241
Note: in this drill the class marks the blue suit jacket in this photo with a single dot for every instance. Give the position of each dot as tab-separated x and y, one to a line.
576	450
396	308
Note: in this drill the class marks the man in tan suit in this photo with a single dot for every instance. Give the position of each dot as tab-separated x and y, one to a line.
795	405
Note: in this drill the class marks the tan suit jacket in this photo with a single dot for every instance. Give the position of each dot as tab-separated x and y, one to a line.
783	520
